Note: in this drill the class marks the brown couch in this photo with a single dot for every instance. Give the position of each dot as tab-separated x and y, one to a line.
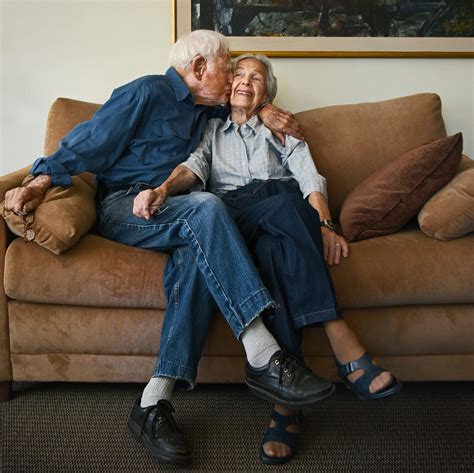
95	312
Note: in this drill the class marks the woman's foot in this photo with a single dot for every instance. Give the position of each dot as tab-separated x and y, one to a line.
347	348
280	442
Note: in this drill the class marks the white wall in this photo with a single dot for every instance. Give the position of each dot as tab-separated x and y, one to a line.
84	49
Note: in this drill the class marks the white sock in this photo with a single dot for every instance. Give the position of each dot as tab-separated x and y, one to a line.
158	388
259	343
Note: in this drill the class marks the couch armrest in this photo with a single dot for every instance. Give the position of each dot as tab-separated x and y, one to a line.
5	361
7	182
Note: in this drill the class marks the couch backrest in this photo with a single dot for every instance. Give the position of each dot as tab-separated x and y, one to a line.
350	142
63	116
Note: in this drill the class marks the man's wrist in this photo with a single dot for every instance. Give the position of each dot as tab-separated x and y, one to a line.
40	183
263	105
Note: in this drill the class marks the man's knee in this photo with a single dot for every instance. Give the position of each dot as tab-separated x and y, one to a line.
205	202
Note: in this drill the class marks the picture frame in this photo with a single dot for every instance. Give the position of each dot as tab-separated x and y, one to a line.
332	46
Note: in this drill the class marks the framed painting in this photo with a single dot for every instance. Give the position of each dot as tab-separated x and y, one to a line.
335	28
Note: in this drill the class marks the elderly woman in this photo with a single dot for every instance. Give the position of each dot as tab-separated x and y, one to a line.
278	200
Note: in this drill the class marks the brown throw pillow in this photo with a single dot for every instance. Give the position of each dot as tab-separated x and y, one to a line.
65	214
395	193
449	213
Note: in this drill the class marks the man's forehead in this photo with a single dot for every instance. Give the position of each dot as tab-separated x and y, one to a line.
224	59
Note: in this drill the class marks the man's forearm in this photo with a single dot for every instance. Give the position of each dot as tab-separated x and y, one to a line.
181	179
41	183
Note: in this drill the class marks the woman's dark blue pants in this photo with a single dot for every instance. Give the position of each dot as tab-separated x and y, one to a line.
283	234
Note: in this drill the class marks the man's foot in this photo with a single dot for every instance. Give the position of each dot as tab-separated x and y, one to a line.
155	428
287	381
280	442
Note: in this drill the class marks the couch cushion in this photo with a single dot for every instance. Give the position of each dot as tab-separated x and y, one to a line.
394	194
95	272
62	218
415	330
405	268
350	142
450	212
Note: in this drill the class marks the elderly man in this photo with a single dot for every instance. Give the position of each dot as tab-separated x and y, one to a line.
132	144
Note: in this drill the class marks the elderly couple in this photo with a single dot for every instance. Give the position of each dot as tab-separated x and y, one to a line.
265	208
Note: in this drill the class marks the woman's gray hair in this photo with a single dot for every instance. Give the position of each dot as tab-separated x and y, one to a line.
271	79
206	43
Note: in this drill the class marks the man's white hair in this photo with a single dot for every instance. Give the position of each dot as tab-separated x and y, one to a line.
271	85
206	43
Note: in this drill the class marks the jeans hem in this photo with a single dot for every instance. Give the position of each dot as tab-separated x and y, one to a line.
267	305
316	318
185	377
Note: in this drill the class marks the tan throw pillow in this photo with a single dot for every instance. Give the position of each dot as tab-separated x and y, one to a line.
395	193
65	214
449	213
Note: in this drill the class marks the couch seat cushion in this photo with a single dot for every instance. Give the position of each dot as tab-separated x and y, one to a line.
404	268
407	267
95	272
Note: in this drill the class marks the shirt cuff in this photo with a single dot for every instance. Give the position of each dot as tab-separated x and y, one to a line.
316	185
58	173
197	167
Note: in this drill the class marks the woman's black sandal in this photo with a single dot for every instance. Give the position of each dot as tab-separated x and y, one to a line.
279	433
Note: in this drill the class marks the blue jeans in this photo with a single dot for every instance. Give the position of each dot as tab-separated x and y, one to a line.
209	263
284	236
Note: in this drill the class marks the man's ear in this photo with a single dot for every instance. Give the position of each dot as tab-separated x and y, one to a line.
198	66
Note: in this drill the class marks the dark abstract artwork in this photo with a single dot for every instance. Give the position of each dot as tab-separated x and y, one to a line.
336	18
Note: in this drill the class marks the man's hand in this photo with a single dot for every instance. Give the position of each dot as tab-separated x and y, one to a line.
280	122
148	202
23	200
335	246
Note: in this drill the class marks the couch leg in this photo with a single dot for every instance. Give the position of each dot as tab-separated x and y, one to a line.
5	390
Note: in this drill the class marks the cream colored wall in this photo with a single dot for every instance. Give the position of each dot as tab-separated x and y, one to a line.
84	49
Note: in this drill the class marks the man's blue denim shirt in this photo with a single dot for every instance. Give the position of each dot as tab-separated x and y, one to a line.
140	134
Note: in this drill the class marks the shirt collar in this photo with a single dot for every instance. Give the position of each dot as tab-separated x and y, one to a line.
179	87
254	123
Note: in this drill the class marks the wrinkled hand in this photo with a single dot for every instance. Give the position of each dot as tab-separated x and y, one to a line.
148	202
23	200
335	246
280	122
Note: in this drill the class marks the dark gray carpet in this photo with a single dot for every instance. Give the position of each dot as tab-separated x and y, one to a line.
61	427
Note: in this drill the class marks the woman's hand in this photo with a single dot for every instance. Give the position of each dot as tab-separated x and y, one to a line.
280	122
335	246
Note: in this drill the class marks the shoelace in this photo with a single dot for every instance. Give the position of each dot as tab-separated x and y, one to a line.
162	410
288	364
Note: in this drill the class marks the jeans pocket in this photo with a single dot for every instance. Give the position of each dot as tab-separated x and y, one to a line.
107	205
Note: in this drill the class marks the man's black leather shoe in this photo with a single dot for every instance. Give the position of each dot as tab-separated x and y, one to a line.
287	381
155	428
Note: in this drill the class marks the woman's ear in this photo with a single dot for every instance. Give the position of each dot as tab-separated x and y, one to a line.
198	66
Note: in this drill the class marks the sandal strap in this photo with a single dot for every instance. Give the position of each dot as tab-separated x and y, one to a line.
371	371
285	421
365	363
278	432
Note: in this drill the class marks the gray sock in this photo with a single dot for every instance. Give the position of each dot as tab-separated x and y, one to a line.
259	343
158	388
